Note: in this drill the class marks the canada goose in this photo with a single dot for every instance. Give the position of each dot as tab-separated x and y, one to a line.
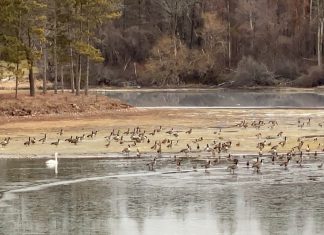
32	140
133	144
5	142
301	159
285	163
159	129
159	150
308	122
43	140
273	159
189	131
255	163
154	146
75	141
126	150
152	164
117	138
56	143
69	139
170	145
60	132
108	143
27	143
117	134
93	134
217	160
198	147
194	167
138	154
207	148
258	165
233	167
175	134
248	164
280	134
186	150
260	153
152	133
80	137
178	163
207	165
320	166
170	131
126	132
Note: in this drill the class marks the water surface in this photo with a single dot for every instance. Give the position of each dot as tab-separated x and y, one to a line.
220	98
97	196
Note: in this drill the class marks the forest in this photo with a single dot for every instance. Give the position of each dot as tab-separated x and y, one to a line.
75	44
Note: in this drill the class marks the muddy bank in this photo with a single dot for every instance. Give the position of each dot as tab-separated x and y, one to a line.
212	125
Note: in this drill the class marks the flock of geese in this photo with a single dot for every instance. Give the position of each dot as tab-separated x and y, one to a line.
208	153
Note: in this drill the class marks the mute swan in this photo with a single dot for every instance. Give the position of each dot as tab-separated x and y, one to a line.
52	163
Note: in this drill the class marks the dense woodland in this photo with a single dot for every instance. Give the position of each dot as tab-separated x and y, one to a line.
235	43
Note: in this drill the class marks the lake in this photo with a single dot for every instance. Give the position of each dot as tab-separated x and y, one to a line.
220	98
118	196
96	196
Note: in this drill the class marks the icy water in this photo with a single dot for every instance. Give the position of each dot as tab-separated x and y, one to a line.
101	196
220	98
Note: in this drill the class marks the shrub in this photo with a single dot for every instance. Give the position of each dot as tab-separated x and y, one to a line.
313	78
252	73
286	70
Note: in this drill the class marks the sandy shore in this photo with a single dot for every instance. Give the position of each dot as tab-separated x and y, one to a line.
205	123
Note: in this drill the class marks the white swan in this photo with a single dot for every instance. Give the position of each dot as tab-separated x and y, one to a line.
52	163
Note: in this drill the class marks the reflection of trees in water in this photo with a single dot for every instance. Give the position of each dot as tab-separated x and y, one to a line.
145	201
224	204
3	173
220	98
49	210
99	207
286	208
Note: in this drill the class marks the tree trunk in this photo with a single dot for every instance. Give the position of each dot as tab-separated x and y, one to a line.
252	28
86	88
62	78
31	80
192	27
55	50
229	36
320	42
310	12
17	62
31	64
17	78
72	70
45	72
78	80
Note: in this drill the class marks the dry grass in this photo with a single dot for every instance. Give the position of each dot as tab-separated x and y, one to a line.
63	104
204	123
